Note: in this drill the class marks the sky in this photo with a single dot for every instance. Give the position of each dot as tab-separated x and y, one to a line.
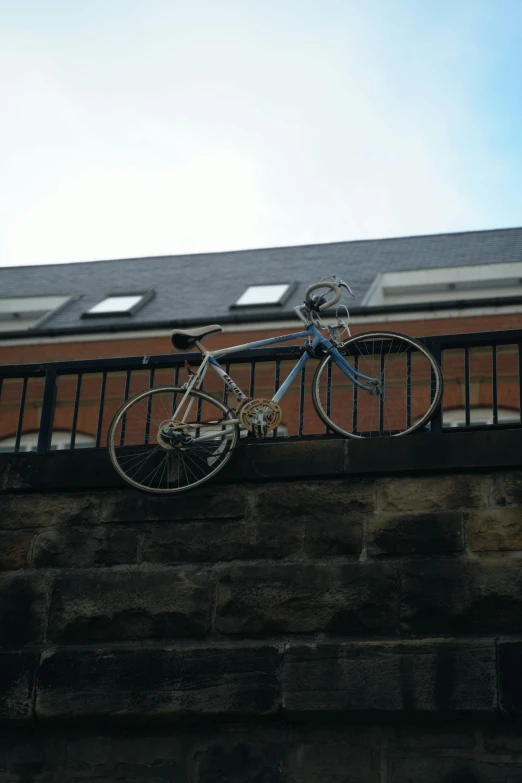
156	127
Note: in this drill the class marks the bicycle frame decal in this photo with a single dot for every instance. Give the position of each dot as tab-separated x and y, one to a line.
228	380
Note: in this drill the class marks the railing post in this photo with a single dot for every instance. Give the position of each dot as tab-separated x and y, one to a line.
434	346
47	415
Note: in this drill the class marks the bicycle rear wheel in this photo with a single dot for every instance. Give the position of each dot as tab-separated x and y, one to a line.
403	395
155	452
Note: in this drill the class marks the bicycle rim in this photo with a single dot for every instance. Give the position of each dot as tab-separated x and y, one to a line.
404	395
149	461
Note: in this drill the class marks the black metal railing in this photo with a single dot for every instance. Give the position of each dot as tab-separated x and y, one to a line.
70	404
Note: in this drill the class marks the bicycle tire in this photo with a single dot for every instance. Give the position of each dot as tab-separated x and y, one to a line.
404	421
118	433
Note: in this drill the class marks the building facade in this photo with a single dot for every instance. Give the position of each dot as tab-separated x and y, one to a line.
421	286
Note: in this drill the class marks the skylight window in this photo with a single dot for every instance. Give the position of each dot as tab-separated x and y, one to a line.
256	295
26	312
119	304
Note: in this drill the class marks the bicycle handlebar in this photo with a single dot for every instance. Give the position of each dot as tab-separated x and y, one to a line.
324	284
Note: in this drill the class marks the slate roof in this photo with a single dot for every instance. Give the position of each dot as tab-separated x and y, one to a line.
200	288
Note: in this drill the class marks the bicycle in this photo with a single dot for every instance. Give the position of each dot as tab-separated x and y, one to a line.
174	438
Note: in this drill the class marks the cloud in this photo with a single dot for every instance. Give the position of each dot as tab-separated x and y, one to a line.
161	128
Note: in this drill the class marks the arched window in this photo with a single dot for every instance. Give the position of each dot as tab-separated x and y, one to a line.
61	440
456	417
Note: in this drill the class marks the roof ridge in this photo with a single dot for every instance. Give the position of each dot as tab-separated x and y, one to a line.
271	247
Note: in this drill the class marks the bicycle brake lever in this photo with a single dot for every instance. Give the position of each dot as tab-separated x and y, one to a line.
345	285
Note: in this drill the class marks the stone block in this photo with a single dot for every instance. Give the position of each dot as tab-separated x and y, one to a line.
17	676
503	740
335	762
15	546
79	547
329	514
333	534
335	500
507	489
5	464
495	529
23	601
275	540
421	739
412	678
141	756
130	604
462	597
206	503
357	598
239	762
159	683
510	677
419	534
28	756
438	769
434	493
199	542
42	510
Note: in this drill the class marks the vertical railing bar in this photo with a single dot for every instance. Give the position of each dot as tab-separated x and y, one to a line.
466	386
101	410
127	385
408	388
149	406
47	413
21	414
125	398
355	394
494	382
302	399
435	347
276	385
381	398
75	411
252	378
520	379
328	392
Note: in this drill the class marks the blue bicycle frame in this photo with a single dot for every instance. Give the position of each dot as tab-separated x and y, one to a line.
210	359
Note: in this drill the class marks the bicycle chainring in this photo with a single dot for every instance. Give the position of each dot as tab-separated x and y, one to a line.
260	415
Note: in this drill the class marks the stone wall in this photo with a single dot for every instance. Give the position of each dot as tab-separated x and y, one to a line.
331	628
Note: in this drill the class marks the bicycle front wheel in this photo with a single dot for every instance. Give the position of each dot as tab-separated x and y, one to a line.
398	388
165	441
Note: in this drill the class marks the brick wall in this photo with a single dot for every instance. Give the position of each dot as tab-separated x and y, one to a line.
334	627
147	346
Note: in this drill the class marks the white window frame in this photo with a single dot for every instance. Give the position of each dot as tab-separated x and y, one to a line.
20	313
144	298
480	416
61	440
286	292
446	284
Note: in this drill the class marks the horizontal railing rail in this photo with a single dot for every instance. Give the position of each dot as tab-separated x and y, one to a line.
69	404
